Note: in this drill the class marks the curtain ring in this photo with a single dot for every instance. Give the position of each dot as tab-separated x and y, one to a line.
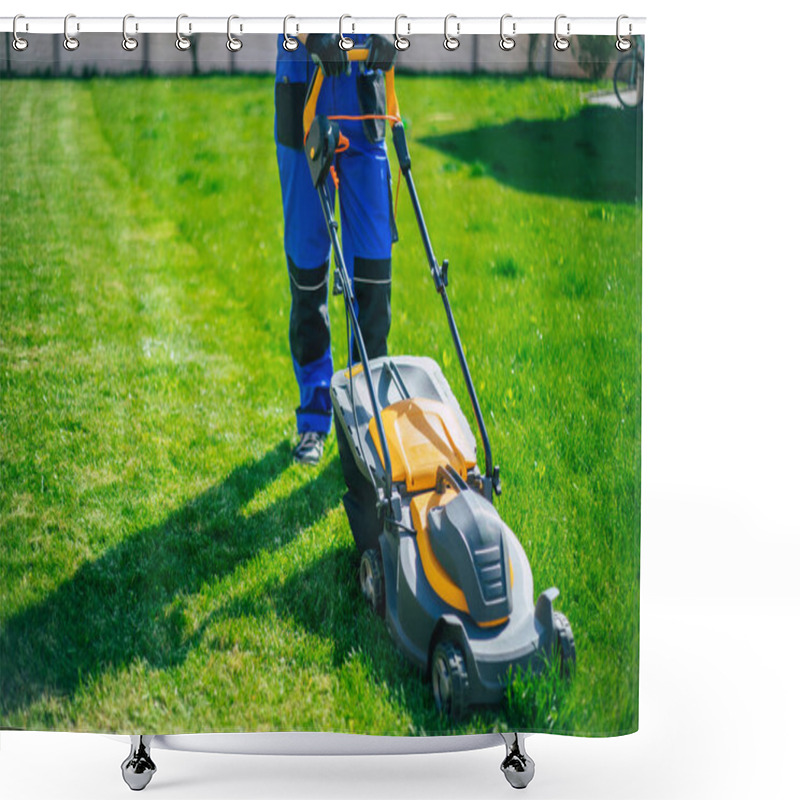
19	43
128	42
70	42
560	42
400	42
233	44
451	42
345	42
507	42
290	44
623	43
181	42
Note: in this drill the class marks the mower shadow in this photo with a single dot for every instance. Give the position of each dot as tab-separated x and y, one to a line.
121	608
345	621
117	609
589	156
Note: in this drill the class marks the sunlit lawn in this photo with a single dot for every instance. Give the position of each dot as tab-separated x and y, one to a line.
163	565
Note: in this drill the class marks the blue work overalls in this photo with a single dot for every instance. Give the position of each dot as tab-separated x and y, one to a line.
367	227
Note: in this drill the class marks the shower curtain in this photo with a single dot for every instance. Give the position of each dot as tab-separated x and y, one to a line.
167	565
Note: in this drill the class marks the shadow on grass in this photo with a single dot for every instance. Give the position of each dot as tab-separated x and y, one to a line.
120	608
593	155
116	609
345	621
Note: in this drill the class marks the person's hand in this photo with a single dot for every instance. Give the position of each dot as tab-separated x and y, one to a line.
325	51
382	52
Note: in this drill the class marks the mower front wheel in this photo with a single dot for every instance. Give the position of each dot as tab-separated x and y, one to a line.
370	576
450	680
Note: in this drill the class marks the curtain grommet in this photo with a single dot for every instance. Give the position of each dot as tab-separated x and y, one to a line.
507	42
401	42
18	43
451	43
129	43
290	44
181	42
345	42
623	43
71	43
233	44
561	43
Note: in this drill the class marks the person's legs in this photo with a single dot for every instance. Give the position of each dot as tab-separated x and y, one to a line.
367	233
307	254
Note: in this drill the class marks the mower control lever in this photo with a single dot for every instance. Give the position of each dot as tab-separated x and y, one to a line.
447	477
496	485
401	147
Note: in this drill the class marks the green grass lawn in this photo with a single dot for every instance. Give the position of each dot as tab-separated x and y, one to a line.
164	566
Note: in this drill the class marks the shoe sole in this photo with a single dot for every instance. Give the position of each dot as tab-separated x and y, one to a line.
311	462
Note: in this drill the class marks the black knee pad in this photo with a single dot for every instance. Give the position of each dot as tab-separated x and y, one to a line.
309	325
373	291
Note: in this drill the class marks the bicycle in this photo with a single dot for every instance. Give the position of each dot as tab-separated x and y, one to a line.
629	76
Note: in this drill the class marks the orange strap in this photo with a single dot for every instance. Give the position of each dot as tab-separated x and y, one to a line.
342	144
389	117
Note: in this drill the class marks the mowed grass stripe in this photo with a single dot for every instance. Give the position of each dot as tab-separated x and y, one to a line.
220	581
103	324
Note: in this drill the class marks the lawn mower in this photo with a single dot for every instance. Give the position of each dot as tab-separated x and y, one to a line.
437	562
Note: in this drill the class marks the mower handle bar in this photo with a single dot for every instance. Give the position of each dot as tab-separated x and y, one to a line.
393	115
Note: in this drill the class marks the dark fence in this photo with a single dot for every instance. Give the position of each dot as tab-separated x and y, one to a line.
102	54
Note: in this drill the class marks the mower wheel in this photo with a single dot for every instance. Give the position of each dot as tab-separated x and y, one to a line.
450	680
565	644
370	576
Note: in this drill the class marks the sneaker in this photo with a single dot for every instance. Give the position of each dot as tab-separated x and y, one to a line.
309	448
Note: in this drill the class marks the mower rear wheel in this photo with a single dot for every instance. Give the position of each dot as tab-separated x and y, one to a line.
370	576
565	644
450	680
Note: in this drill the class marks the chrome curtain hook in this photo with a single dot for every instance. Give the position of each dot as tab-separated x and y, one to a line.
623	43
560	42
507	42
345	42
70	42
19	44
290	44
233	44
128	42
451	42
181	42
400	42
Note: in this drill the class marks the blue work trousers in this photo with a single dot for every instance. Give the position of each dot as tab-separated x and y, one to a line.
367	230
